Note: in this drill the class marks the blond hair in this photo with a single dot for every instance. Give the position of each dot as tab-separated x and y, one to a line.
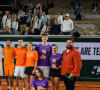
8	29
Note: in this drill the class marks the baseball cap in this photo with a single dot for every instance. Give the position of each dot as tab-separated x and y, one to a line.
67	15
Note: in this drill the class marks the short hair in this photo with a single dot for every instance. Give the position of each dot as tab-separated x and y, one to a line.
44	34
30	43
55	45
9	40
70	39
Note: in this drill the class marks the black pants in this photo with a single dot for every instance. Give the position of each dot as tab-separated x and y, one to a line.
78	17
66	33
69	83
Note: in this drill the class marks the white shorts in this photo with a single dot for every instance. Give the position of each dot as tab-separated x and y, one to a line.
45	70
19	71
1	69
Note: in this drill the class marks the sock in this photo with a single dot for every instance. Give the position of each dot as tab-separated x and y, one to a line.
11	88
16	88
23	88
0	87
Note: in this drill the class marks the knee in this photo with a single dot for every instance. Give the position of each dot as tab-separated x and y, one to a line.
28	81
53	83
56	85
23	80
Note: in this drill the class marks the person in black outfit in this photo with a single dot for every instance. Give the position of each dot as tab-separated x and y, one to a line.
55	28
23	22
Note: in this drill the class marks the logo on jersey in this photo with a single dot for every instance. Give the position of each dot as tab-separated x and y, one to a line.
32	55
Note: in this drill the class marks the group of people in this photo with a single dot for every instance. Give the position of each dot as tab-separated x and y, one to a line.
34	24
38	64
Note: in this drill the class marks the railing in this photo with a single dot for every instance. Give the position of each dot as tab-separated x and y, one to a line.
80	30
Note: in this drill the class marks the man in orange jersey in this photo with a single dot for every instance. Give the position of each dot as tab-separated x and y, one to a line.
20	52
9	63
71	64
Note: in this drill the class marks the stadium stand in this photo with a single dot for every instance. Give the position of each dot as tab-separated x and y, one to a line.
89	16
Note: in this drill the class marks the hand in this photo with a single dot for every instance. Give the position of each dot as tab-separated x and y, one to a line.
33	72
71	75
56	67
42	57
47	31
43	89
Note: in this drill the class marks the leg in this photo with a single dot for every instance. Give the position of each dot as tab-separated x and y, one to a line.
17	74
17	81
28	81
11	73
31	78
56	82
53	84
46	70
11	82
23	79
69	83
79	17
22	74
7	80
21	28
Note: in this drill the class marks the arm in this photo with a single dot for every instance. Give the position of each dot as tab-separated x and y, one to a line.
72	26
42	57
2	51
61	27
35	67
39	24
16	26
61	19
77	64
32	88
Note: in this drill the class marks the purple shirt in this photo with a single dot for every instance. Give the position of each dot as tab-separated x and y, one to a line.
55	59
43	83
46	51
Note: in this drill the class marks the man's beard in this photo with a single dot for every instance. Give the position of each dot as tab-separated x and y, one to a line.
69	47
8	45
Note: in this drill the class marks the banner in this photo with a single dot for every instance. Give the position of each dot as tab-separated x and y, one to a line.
88	50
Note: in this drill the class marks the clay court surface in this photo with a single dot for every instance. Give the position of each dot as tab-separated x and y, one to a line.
79	85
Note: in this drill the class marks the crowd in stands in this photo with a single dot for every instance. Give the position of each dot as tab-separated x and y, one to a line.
26	19
30	20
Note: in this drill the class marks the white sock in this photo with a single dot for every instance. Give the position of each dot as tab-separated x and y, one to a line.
16	88
0	87
11	88
23	88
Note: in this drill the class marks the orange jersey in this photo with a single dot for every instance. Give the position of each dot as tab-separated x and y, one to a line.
9	55
31	58
21	56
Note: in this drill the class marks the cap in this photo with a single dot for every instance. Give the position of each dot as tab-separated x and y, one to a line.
67	15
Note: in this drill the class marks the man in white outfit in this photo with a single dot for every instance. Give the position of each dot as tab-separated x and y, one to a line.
4	18
1	68
67	25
